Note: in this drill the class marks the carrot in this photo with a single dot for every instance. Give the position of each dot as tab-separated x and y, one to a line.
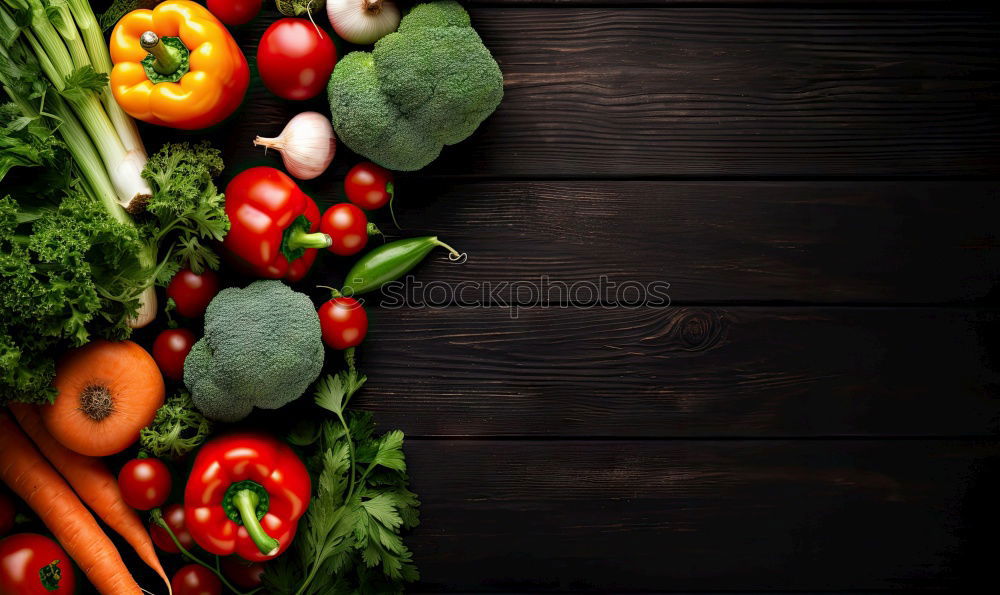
95	485
31	477
108	391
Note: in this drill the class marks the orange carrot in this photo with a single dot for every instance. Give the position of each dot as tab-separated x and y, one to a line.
31	477
95	485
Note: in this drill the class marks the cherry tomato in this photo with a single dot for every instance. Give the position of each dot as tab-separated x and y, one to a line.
145	483
173	515
344	322
32	564
241	572
191	293
294	59
169	350
7	512
369	186
195	580
348	227
234	12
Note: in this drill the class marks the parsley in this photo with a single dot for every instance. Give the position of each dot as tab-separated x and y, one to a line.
350	541
188	208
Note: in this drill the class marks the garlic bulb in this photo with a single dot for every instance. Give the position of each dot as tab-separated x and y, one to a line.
307	145
363	21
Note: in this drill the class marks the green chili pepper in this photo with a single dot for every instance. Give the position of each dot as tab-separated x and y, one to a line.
390	262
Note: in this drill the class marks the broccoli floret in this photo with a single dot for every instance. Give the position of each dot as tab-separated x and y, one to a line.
262	348
429	84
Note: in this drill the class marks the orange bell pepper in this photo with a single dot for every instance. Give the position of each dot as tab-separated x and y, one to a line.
177	66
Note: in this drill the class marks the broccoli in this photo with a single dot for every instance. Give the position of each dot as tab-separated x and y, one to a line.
429	84
262	348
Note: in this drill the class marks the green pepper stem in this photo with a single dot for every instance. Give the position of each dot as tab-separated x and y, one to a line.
167	58
246	502
455	254
298	238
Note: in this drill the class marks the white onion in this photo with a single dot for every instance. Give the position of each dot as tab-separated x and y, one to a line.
307	145
363	21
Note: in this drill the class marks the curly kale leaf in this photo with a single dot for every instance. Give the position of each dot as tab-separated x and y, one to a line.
188	209
177	429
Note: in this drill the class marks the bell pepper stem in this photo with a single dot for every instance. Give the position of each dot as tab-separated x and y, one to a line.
298	238
246	502
167	60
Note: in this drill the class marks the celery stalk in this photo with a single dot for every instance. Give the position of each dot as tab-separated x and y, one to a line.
100	59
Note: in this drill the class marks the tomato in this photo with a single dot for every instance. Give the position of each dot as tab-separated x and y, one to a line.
195	580
145	483
7	512
191	292
32	564
294	59
241	572
169	350
348	227
344	322
173	515
234	12
369	186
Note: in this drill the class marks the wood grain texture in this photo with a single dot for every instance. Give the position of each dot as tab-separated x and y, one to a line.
703	515
694	372
810	242
689	92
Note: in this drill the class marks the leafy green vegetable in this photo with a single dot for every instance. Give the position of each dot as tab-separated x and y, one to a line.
189	209
177	429
429	84
67	268
350	538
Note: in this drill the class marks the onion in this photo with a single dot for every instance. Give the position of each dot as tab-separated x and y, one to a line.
306	144
363	21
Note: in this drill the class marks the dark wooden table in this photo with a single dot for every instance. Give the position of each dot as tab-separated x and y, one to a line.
816	409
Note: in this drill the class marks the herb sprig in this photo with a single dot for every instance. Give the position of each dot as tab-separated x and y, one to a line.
350	541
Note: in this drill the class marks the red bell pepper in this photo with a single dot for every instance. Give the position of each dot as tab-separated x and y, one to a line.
274	225
245	495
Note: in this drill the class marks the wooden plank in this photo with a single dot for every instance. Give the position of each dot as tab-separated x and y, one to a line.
683	372
704	92
813	242
822	515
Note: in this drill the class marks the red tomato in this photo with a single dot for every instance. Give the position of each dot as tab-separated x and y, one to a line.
344	322
145	483
173	515
191	293
348	227
195	580
32	564
241	572
7	512
294	59
169	350
369	186
234	12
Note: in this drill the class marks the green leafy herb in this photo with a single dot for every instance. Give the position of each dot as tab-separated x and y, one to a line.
177	429
350	541
186	204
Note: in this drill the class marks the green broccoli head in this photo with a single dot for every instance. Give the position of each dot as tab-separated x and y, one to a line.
262	348
429	84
